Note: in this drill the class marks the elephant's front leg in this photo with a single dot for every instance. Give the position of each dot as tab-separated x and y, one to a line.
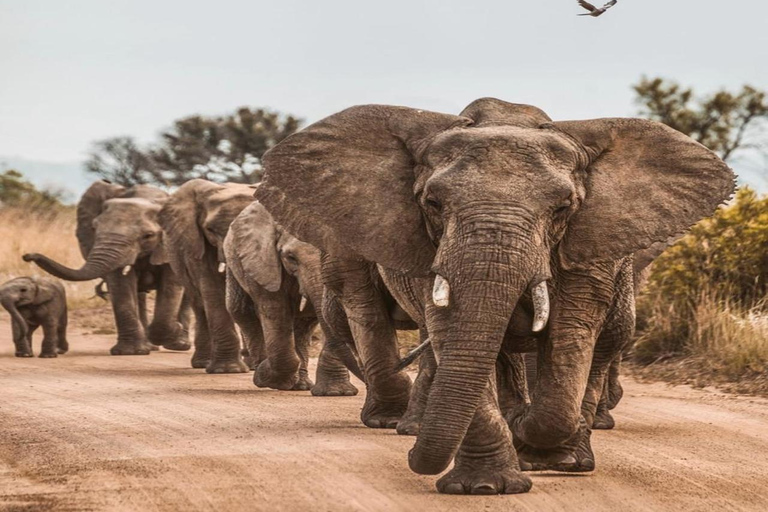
225	356
280	368
243	310
375	339
144	317
50	325
201	357
332	377
21	339
410	424
302	336
166	330
486	462
131	338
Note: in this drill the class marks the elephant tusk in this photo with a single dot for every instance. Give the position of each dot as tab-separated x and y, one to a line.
303	303
441	292
540	295
126	270
222	267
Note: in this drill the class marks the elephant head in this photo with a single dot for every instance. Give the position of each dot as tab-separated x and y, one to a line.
485	203
24	291
197	218
115	227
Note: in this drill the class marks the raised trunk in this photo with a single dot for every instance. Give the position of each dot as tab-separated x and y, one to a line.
10	305
108	254
487	276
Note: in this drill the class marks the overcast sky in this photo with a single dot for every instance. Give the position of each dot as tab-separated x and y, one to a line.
75	71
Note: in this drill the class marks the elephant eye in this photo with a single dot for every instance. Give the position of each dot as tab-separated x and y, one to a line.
291	258
563	207
147	236
433	203
23	290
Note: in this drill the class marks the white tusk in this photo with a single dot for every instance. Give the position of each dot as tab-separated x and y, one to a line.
303	303
126	270
540	296
441	292
222	267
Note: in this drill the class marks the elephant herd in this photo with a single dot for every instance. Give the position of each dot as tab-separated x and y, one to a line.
513	244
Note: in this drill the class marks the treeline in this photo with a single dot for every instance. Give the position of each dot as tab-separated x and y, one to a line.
217	148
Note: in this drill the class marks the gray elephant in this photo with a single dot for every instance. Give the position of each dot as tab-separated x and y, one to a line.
33	302
484	223
195	220
121	242
273	285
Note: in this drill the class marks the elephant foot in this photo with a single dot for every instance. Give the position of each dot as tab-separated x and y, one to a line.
603	420
409	426
575	456
48	354
152	348
62	349
266	377
24	353
303	384
125	349
615	392
251	362
227	366
465	479
177	346
334	388
201	358
386	402
168	338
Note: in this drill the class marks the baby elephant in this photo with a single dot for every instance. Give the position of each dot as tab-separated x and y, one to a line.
33	302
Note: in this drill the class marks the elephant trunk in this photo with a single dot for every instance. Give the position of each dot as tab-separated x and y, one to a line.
487	272
10	305
108	254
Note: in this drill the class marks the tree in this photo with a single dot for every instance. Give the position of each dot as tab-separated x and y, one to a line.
222	149
120	160
16	191
725	122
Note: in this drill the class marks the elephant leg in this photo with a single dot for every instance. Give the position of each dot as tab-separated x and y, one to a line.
603	417
486	462
185	317
410	423
302	336
63	345
143	318
202	354
165	329
131	337
615	390
20	340
225	341
50	327
280	368
388	391
240	305
332	375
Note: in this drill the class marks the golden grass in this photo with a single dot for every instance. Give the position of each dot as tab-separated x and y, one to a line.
49	231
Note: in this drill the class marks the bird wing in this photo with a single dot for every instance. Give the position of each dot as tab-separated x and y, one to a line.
587	5
610	4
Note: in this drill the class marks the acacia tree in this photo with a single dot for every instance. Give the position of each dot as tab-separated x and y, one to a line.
724	121
120	160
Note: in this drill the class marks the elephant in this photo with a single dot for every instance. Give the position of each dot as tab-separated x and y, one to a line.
32	302
121	242
195	221
483	224
273	285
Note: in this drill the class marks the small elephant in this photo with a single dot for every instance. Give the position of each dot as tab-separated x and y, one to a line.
485	223
121	242
195	221
33	302
273	285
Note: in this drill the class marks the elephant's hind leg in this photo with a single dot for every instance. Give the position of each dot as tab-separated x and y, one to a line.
410	424
63	344
50	337
302	335
332	377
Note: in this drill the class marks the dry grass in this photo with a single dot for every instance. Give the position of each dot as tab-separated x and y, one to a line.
50	232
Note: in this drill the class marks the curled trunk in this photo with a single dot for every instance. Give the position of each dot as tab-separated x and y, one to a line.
10	305
108	254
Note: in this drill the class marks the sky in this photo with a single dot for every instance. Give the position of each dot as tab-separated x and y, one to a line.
77	71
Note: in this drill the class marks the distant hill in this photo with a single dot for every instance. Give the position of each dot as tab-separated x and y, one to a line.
68	177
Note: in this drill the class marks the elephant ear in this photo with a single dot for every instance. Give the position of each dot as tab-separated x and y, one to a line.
251	243
160	255
179	218
494	112
89	208
645	183
43	291
345	184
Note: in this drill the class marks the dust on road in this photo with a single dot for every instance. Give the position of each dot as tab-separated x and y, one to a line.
89	431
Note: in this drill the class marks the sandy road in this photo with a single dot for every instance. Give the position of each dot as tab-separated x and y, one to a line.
89	431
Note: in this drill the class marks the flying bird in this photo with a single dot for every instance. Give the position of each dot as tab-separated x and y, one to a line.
594	11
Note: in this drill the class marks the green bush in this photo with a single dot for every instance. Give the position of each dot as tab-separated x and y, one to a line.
718	271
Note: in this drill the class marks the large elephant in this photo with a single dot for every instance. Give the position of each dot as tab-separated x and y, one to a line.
121	242
195	220
481	221
273	287
33	302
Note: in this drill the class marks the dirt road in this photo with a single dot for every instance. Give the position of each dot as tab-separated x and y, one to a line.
89	431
